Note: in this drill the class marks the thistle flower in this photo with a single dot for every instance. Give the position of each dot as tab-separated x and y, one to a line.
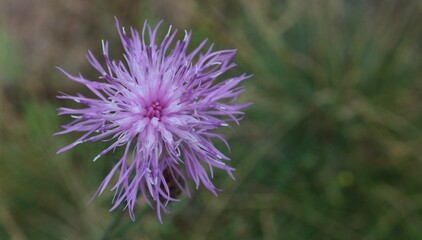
161	106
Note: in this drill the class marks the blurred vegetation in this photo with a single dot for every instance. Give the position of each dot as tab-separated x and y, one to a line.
331	148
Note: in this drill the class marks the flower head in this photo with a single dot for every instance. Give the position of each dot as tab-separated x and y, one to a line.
161	105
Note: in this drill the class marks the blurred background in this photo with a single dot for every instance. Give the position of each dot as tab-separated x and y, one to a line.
331	148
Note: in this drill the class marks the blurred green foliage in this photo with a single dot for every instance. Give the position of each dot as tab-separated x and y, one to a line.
9	58
329	150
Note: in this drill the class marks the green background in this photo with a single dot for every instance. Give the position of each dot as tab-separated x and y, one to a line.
331	148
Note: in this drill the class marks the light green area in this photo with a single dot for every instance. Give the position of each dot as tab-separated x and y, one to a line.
10	58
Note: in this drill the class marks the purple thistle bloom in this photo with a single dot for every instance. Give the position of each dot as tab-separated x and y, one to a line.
164	105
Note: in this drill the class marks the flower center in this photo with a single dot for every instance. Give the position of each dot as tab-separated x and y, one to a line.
154	110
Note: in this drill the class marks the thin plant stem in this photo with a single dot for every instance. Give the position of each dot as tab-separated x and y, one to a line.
113	224
113	230
124	228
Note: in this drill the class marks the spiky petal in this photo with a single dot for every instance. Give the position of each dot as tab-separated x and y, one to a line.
161	105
